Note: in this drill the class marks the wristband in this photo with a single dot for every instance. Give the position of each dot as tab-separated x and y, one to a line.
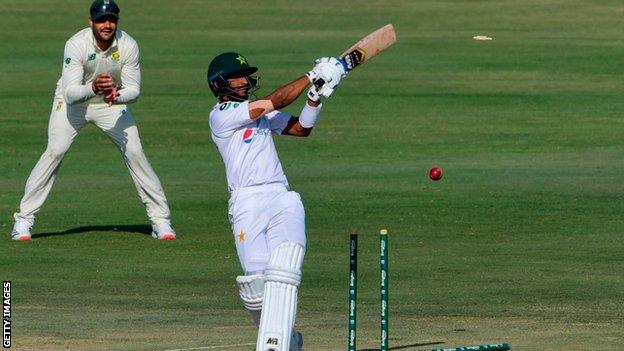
309	115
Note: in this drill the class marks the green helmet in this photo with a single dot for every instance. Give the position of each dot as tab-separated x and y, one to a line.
227	65
101	8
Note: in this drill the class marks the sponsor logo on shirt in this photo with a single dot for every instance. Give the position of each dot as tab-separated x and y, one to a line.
261	129
67	60
92	56
248	135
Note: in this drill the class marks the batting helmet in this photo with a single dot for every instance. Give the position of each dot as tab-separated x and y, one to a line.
227	65
101	8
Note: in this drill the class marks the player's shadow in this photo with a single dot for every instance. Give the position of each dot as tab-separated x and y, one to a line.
129	228
405	347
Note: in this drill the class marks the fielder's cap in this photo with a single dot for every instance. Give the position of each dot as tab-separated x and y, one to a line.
228	65
101	8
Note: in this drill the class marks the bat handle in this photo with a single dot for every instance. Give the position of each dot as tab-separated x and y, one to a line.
344	64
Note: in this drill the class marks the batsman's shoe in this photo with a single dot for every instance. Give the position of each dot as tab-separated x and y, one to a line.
163	232
21	230
296	342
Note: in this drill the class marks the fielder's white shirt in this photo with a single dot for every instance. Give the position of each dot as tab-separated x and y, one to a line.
83	61
246	145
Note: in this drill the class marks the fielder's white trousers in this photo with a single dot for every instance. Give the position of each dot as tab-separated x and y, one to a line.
118	123
262	218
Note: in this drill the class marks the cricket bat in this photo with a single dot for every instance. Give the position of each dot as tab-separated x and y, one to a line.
368	47
365	49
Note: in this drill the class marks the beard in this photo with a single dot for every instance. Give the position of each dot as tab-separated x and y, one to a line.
104	35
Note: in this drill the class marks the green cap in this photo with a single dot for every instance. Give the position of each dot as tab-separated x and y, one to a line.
228	65
101	8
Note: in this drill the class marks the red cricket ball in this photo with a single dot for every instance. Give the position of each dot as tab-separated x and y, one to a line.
435	173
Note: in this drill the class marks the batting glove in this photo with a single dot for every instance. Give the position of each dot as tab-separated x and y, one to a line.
312	75
328	79
327	90
313	93
334	62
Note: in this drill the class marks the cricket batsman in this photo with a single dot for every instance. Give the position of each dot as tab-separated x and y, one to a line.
268	220
101	77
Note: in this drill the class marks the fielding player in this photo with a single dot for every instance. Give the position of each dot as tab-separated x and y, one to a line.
101	75
267	218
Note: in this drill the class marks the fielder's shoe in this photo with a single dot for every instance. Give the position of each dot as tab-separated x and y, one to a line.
21	230
296	342
163	232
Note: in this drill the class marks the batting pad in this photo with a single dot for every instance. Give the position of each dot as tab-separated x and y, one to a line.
283	276
251	291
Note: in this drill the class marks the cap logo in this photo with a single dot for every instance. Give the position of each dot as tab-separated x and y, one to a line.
242	60
106	2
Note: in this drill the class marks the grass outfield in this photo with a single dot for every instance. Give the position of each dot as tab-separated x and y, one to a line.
521	241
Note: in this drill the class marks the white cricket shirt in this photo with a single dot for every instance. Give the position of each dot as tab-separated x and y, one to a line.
83	61
246	145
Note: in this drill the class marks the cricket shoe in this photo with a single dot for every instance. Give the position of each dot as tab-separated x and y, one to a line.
296	342
21	230
163	232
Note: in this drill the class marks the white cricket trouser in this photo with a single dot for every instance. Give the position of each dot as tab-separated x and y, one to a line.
118	123
262	218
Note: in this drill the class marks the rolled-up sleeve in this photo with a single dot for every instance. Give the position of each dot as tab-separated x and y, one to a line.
74	89
229	117
130	76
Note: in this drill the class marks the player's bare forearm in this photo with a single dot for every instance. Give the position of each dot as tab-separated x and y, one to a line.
278	99
285	95
294	128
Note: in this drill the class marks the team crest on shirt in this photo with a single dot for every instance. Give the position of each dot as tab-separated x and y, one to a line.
116	55
248	135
